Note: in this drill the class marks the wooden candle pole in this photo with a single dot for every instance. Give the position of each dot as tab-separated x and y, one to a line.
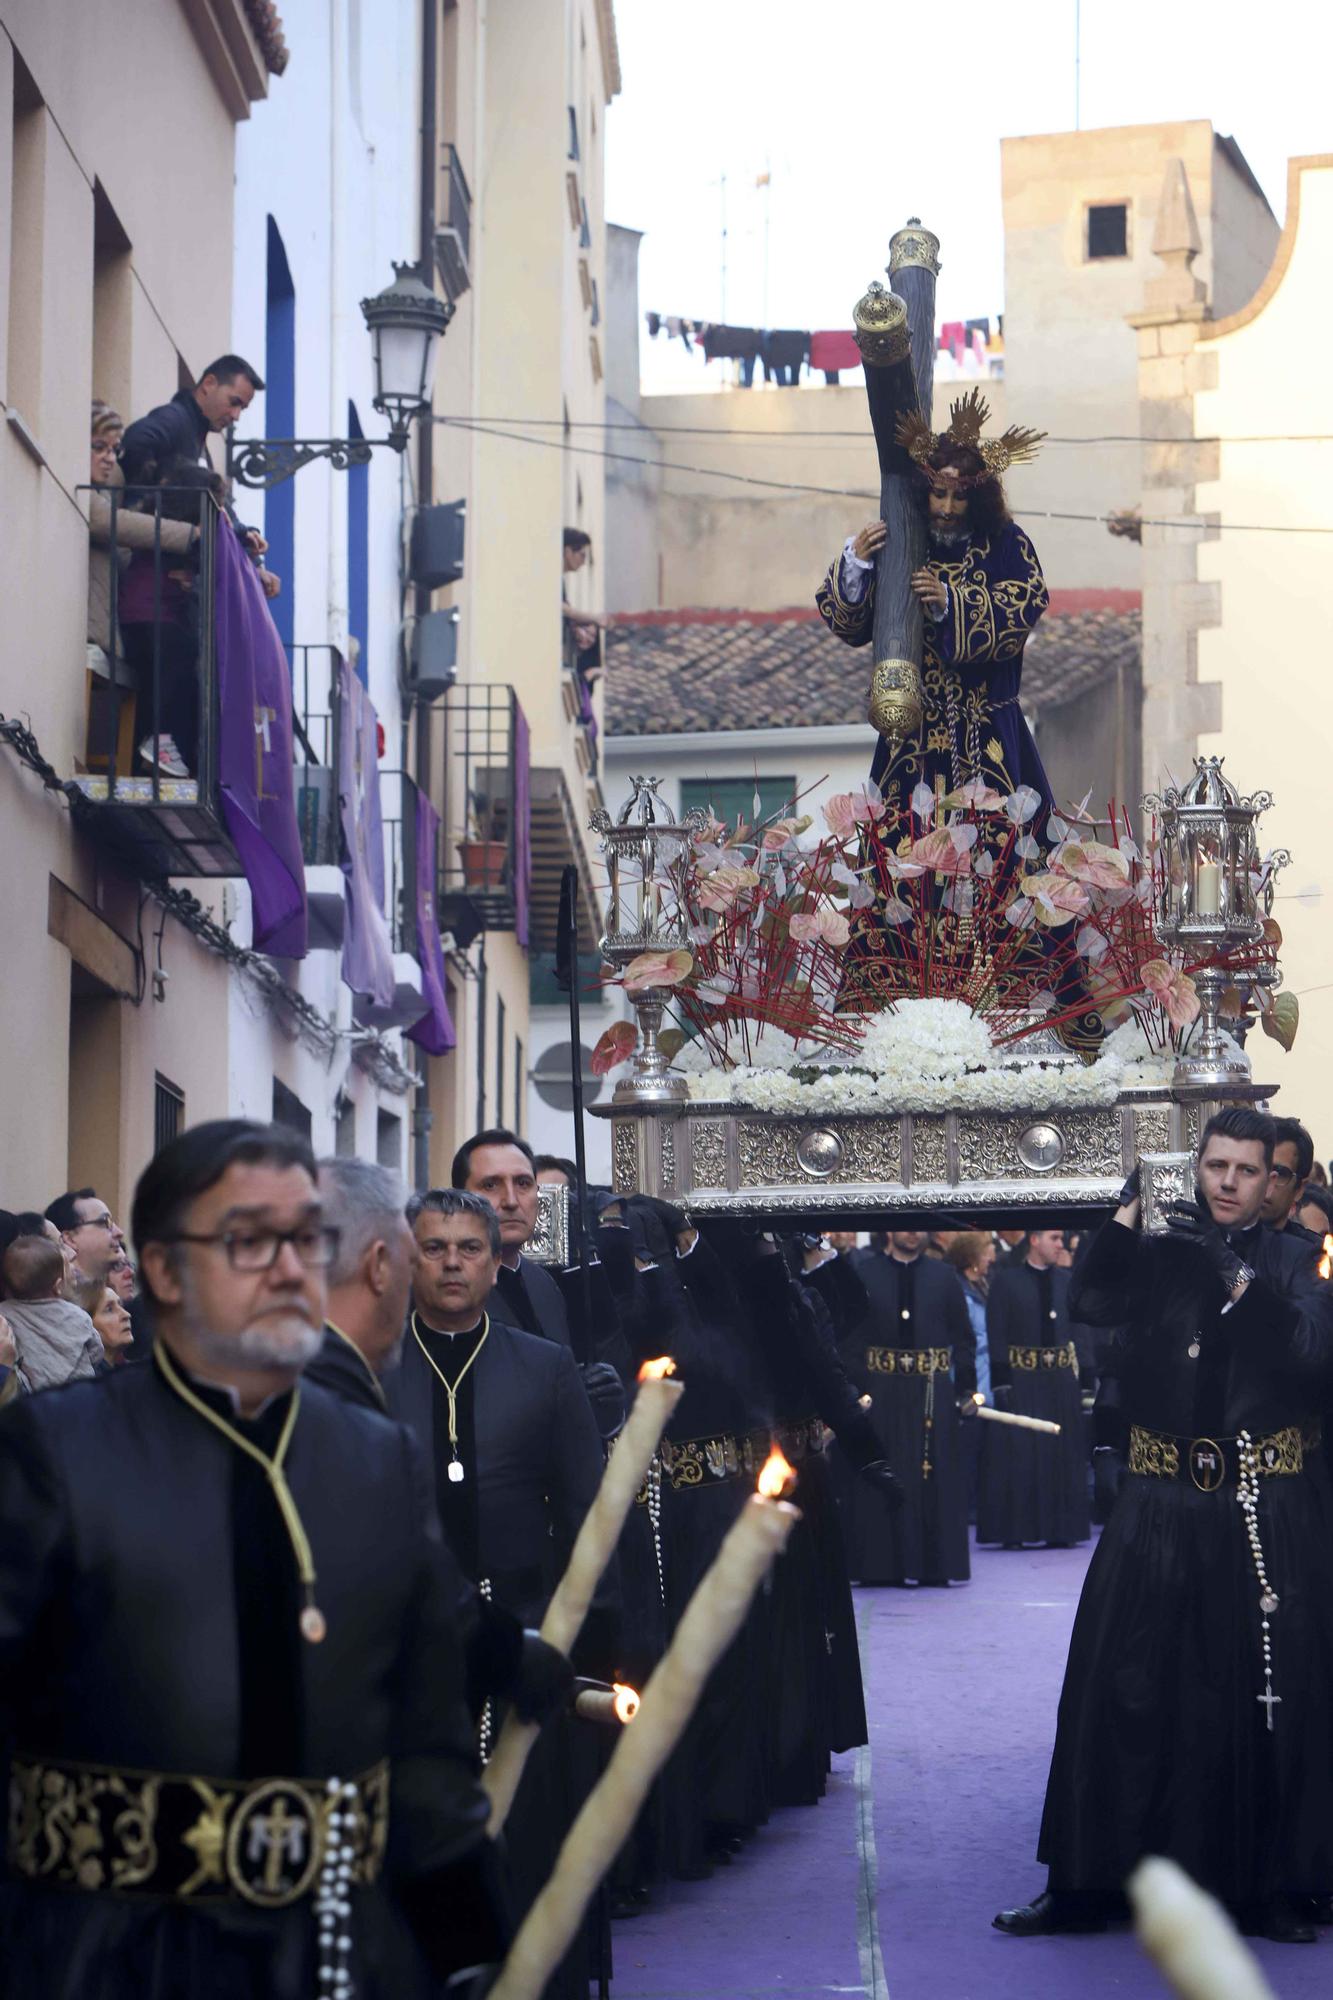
626	1470
711	1621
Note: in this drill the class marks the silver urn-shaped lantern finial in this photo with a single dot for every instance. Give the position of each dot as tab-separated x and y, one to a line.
1207	902
645	852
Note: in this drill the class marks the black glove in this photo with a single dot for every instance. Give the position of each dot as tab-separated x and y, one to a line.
652	1241
674	1220
1190	1222
880	1474
543	1683
967	1406
1108	1476
1133	1188
606	1393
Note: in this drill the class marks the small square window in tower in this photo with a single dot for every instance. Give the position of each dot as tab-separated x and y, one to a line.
1108	229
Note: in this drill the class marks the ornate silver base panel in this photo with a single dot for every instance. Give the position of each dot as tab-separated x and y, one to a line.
725	1159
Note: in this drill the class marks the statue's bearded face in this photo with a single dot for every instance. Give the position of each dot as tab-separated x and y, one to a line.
947	508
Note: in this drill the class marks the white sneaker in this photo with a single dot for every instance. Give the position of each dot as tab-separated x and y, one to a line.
168	759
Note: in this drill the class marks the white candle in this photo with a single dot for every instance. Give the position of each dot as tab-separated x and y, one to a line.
626	1470
712	1619
1208	890
1019	1423
1191	1938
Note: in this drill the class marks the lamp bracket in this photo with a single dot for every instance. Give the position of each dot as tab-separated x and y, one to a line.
263	463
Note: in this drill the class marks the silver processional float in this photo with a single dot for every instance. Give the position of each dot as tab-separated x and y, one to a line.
960	1101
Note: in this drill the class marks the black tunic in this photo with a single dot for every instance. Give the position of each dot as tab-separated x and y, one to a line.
1162	1745
147	1622
1034	1487
532	1462
341	1367
917	1305
529	1297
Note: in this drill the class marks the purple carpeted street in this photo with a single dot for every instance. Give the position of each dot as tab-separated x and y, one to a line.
888	1888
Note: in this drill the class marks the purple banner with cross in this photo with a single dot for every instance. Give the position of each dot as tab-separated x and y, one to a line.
255	772
434	1032
367	960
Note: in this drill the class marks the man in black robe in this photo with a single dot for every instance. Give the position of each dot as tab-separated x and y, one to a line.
1195	1720
506	1424
226	1676
500	1166
915	1356
368	1294
1034	1487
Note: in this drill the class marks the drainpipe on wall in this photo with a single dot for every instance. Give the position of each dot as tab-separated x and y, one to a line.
429	162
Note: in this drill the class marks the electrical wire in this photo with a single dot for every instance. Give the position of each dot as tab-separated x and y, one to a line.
798	437
1190	521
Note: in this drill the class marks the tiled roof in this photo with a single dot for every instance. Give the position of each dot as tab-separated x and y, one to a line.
680	672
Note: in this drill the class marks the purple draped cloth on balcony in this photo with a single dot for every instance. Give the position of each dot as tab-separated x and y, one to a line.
434	1032
255	771
367	962
522	825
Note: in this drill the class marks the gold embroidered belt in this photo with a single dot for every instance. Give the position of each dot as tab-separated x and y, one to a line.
693	1462
1031	1358
89	1826
909	1360
688	1462
1209	1463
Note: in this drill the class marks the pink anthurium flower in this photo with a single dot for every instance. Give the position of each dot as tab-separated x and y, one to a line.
1092	861
725	886
616	1046
1174	988
1054	898
658	968
814	926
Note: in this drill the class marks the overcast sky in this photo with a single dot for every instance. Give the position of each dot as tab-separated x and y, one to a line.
868	110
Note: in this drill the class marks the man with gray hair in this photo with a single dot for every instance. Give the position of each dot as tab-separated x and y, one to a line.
369	1283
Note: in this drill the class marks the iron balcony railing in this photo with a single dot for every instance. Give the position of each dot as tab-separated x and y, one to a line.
485	829
316	732
401	889
152	673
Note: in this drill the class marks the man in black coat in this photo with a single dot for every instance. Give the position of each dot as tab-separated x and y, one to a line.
178	431
1195	1720
506	1423
1034	1487
915	1356
226	1676
500	1166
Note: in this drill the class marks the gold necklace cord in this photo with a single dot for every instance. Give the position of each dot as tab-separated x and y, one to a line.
451	1389
282	1493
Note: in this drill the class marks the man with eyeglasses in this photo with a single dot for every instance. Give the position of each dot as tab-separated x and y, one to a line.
240	1758
1293	1158
94	1236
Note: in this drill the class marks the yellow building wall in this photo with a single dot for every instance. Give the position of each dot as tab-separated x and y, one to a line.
1272	652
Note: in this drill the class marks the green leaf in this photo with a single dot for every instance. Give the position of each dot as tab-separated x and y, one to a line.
1282	1019
671	1041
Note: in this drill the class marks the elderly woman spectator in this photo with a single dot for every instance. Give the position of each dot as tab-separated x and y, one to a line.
114	1328
134	530
123	1278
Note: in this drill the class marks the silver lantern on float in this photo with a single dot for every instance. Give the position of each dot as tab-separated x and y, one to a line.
1212	893
646	851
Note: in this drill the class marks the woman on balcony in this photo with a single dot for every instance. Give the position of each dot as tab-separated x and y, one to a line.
133	531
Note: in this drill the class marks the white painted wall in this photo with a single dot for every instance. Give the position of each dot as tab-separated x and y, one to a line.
336	167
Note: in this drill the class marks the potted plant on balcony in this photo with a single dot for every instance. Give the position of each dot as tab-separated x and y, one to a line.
482	853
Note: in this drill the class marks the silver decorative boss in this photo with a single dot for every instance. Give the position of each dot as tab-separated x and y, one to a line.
645	851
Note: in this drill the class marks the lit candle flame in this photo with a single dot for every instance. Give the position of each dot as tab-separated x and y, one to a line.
1326	1261
627	1701
655	1371
777	1477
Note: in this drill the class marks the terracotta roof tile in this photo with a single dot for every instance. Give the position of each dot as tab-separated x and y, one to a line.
681	672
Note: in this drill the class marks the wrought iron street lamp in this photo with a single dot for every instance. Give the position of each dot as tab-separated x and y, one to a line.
405	322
